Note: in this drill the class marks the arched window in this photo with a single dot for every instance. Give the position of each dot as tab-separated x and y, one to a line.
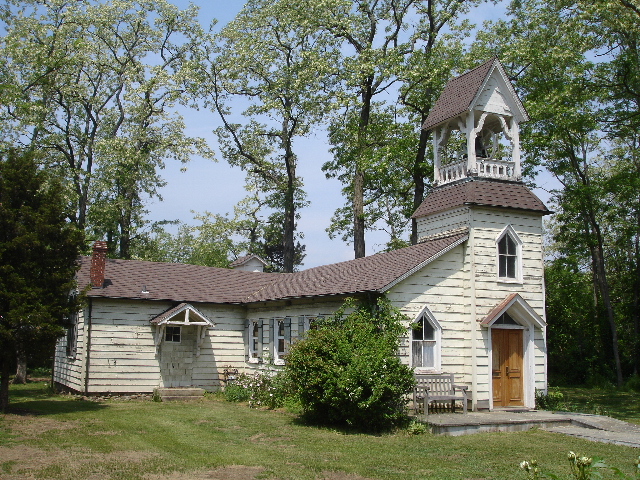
425	342
509	248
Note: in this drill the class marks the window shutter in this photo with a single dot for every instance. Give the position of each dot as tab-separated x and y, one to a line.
287	334
247	339
260	337
272	326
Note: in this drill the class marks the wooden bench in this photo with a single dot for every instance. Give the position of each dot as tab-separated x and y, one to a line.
438	388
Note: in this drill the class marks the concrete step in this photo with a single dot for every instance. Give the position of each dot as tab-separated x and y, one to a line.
180	398
179	393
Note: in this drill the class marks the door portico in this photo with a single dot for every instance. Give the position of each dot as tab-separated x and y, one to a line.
511	335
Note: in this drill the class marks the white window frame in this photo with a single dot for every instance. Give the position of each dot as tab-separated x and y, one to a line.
427	316
72	336
510	232
254	341
308	321
278	356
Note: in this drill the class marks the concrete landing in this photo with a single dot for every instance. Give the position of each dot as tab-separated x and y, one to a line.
179	394
591	427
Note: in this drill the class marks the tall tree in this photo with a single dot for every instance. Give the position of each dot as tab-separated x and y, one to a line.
574	96
278	66
377	39
39	250
93	85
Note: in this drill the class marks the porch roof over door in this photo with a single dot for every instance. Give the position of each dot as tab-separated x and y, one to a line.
183	314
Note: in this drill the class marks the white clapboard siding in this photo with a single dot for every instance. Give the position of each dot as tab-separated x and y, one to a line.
442	222
68	372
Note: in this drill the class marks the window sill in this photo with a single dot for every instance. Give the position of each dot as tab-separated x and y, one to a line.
254	360
511	281
425	370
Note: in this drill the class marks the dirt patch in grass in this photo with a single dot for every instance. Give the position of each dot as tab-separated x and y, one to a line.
232	472
30	426
23	461
341	476
242	472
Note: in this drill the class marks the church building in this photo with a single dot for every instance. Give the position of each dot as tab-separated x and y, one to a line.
472	288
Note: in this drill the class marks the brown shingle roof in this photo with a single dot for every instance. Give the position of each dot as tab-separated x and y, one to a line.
174	281
374	273
481	192
458	95
192	283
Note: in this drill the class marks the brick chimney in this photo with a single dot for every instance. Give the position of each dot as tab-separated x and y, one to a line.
98	261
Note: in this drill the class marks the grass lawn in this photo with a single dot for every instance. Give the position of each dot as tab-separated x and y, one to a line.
62	437
614	403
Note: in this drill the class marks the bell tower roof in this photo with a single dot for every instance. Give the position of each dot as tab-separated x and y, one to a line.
475	124
482	193
485	88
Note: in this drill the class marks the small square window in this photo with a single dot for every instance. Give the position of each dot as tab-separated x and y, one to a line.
172	334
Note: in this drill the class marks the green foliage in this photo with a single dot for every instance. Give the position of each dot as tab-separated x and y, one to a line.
416	428
580	96
95	85
237	392
262	389
581	467
217	439
38	260
633	384
552	400
346	371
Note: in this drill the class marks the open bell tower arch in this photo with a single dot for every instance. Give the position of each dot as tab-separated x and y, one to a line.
475	125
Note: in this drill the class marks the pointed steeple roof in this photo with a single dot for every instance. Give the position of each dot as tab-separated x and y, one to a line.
464	93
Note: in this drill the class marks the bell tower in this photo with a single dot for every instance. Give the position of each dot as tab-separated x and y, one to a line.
475	125
498	307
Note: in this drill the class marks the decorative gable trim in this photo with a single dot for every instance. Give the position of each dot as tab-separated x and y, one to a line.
518	308
192	317
183	315
520	113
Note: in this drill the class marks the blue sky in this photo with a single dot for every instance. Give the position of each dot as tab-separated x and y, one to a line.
216	187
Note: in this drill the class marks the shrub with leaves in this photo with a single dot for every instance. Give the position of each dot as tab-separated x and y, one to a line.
262	389
346	370
581	467
552	400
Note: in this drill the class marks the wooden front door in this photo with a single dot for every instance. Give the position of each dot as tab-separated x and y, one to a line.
507	367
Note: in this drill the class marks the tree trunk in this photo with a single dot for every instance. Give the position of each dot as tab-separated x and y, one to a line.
418	181
596	246
636	303
358	180
358	214
597	254
21	370
288	237
4	384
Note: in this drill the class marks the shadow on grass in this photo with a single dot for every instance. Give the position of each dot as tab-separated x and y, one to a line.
53	407
309	420
37	398
618	404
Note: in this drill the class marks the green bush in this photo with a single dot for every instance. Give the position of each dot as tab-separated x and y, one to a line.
236	392
346	371
552	400
633	384
262	389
